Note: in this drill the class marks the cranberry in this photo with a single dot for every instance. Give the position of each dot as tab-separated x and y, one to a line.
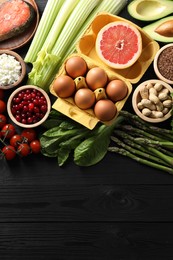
29	106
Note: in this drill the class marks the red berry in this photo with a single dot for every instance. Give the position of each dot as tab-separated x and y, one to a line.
31	103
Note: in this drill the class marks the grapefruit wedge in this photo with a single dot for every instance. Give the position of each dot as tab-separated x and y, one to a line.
119	44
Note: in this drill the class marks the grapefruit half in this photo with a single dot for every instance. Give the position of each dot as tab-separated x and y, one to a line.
119	44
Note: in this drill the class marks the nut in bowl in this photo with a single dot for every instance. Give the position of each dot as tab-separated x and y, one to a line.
28	106
13	69
152	101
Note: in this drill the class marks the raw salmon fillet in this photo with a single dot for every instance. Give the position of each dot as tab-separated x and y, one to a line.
15	17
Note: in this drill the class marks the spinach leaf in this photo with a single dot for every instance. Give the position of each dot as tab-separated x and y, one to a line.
93	149
63	155
52	122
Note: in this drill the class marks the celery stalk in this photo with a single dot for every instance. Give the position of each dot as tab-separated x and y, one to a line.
50	12
110	6
58	24
42	69
42	74
73	25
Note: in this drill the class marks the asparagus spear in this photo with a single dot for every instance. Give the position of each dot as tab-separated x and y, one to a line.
124	152
135	120
146	141
137	149
139	132
147	148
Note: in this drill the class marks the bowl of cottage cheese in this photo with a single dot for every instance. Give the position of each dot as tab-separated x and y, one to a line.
12	69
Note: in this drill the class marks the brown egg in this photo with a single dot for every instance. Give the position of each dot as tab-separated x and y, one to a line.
105	110
64	86
76	66
116	90
96	78
84	98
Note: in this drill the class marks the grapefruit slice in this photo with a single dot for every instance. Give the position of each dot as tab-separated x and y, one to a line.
119	44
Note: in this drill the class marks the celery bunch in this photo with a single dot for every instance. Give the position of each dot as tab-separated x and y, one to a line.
61	26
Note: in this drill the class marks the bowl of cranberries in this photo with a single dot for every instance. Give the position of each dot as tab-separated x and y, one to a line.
28	106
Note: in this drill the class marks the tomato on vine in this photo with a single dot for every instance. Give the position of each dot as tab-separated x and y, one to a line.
16	140
24	149
2	106
35	146
29	134
9	152
3	120
8	130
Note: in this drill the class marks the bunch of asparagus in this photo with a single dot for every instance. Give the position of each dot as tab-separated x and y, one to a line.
143	142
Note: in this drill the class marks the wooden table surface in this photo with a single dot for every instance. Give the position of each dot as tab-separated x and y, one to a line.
117	209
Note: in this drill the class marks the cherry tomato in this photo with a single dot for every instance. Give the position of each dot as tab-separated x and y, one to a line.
24	149
35	146
3	120
9	152
29	133
8	130
1	93
2	106
16	140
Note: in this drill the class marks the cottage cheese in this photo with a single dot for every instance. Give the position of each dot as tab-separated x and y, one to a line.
10	69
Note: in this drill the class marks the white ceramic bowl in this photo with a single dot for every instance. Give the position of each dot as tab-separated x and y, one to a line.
22	71
168	62
136	99
18	110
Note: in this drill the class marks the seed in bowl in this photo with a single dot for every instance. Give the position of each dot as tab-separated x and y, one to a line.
29	106
10	69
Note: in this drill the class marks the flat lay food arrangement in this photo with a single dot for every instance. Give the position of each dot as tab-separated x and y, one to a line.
83	66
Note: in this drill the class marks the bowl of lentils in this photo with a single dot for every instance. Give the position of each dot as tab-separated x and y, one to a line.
28	106
12	69
163	63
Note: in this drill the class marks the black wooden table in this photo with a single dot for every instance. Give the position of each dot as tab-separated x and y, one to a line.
117	209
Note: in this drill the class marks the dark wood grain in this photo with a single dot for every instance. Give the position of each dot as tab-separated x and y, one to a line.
115	210
85	241
25	203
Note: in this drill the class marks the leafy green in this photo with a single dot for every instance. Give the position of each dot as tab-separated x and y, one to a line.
88	146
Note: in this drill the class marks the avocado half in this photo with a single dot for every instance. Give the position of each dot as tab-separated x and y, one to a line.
150	10
161	30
